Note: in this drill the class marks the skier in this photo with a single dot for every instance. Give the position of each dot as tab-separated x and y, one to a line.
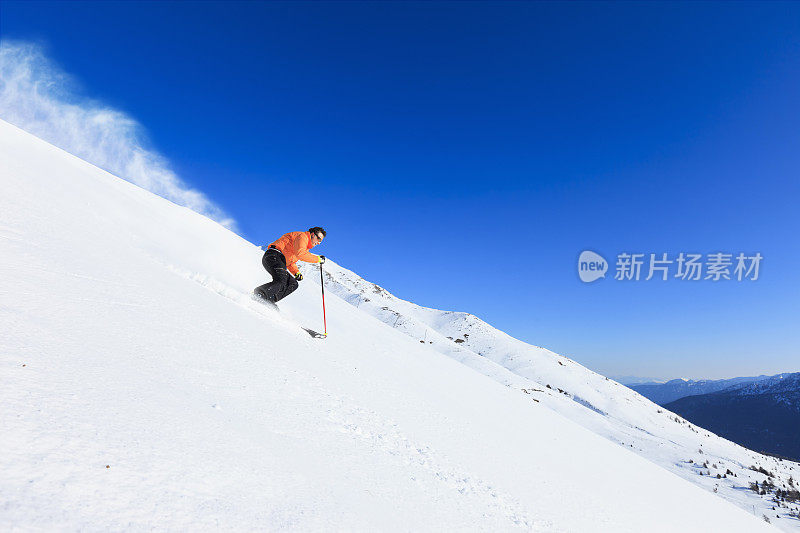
281	258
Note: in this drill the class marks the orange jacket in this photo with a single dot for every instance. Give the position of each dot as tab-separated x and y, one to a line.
295	247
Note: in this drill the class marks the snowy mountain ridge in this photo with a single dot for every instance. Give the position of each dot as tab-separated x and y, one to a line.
144	388
787	383
605	407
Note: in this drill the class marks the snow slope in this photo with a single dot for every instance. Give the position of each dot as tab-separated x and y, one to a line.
142	388
595	402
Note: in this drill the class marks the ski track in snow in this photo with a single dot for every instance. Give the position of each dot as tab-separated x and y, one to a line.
244	300
371	428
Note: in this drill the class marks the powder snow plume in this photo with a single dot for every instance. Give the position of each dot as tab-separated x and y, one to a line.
39	97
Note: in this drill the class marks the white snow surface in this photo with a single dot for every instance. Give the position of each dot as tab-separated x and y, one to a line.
142	388
597	403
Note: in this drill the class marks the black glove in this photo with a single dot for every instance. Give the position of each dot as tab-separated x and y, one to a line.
298	276
321	259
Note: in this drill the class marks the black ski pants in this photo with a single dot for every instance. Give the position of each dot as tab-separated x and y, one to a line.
283	283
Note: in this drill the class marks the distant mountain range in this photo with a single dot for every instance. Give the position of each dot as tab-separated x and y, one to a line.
761	413
635	380
663	393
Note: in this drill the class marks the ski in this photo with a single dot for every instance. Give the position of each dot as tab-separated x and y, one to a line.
259	297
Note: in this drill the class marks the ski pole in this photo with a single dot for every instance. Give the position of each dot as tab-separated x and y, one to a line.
322	284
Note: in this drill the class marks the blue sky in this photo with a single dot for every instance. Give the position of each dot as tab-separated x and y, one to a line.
462	155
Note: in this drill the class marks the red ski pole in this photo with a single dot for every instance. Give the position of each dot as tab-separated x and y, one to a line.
322	284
